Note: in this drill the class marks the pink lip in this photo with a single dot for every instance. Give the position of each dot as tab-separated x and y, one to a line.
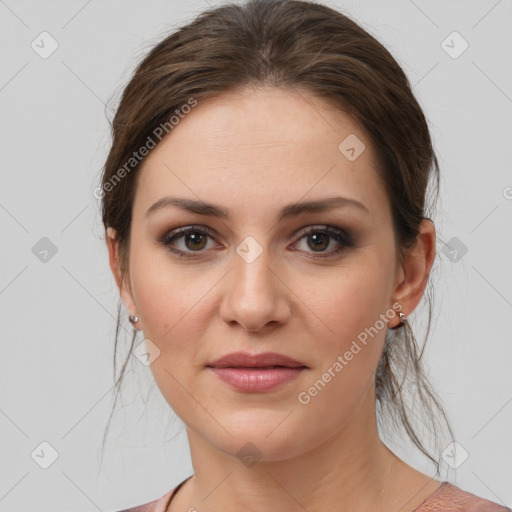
246	360
254	380
256	372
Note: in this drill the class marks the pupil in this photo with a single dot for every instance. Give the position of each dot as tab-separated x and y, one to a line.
321	236
195	239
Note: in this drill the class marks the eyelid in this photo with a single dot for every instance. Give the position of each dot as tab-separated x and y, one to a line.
327	228
340	235
183	230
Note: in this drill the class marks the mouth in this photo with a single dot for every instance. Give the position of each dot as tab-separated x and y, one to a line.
256	373
257	379
264	361
254	367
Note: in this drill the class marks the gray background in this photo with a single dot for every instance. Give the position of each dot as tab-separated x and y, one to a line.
58	310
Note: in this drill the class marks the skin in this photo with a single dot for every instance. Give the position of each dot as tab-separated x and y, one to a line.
252	151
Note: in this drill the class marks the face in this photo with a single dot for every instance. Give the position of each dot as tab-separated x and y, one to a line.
305	284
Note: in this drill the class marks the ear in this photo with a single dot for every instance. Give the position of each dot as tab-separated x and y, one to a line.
113	253
413	275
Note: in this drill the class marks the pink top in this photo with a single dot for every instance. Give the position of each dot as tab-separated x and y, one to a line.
447	498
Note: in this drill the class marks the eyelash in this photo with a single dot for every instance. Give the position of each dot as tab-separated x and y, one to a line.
337	234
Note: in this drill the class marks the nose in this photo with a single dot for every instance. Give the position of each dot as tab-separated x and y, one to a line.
255	296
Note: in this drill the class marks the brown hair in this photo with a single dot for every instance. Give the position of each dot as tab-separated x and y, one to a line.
293	44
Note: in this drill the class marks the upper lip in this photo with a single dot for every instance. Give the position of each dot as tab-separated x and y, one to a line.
247	360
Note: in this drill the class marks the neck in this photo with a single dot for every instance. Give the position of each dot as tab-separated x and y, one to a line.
353	468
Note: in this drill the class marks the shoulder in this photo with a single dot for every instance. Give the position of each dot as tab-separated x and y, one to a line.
449	497
158	505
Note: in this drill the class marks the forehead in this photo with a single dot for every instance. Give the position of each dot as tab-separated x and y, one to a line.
258	147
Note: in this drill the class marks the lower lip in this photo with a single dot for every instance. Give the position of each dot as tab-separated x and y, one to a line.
254	380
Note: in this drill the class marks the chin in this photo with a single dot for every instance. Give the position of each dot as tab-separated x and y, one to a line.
258	436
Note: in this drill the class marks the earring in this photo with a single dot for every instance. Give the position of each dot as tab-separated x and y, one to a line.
133	320
403	321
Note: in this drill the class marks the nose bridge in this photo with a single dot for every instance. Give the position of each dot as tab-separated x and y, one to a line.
254	276
255	295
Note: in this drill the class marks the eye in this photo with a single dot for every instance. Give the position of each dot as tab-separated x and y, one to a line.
193	240
320	238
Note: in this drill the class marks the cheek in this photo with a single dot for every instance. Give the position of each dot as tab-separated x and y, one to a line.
167	297
351	306
170	304
349	348
175	305
346	302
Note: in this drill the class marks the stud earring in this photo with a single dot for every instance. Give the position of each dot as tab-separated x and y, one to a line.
133	320
403	321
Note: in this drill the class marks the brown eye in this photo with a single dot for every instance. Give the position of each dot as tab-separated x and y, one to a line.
187	241
197	240
319	239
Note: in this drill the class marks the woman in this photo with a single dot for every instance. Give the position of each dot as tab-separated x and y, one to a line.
264	201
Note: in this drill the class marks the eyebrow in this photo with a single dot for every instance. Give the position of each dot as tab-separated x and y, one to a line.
290	210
